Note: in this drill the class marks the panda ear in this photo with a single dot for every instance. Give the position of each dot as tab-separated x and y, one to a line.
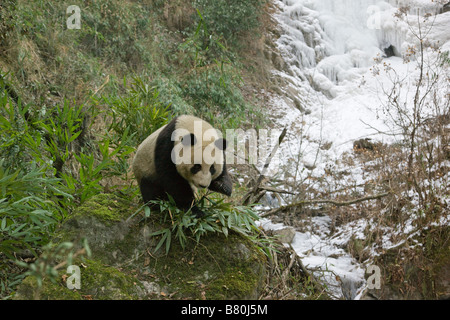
221	143
189	140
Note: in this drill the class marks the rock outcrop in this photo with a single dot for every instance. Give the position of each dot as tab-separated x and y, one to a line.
124	265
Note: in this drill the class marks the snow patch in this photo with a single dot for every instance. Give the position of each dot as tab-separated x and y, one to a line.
330	50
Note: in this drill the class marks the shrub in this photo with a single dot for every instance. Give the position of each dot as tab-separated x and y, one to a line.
229	18
213	92
28	208
116	30
139	111
213	84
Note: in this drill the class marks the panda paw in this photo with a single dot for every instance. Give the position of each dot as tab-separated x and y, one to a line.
222	185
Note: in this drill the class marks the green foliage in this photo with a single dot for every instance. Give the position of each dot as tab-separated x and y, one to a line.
54	137
45	266
53	158
139	112
213	84
61	126
39	148
171	93
5	19
92	171
13	131
37	189
25	19
44	135
28	208
221	217
203	47
116	30
213	92
229	18
31	196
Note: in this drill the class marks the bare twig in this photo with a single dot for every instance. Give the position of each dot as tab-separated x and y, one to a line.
76	254
275	190
100	88
333	202
286	271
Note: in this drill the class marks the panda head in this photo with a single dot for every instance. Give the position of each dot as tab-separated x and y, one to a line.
198	154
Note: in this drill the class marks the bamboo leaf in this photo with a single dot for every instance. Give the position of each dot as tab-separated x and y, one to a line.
161	242
168	241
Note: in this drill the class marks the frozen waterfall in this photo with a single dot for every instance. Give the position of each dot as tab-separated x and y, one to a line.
335	38
329	47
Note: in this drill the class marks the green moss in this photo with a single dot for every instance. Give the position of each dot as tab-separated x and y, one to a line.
223	268
234	283
98	282
124	265
48	291
107	283
106	207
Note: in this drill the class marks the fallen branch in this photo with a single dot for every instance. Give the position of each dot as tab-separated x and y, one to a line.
333	202
309	274
275	190
254	191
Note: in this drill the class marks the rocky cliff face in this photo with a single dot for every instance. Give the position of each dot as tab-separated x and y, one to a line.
124	265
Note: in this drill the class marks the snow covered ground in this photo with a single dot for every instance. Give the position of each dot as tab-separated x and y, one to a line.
330	49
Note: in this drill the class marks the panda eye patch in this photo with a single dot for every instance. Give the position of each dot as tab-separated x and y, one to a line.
196	168
212	169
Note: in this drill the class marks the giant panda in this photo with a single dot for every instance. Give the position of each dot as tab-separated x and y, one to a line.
178	159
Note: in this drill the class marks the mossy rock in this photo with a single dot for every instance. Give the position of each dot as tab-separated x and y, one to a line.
124	265
217	268
98	282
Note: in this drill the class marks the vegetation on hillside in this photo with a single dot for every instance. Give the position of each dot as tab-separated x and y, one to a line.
75	103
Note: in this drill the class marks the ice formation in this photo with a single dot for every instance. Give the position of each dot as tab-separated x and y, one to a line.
329	48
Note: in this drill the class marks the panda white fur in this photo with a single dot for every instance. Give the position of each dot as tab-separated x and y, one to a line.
177	159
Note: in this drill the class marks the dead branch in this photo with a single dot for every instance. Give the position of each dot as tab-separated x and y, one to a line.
333	202
308	273
275	190
256	188
286	271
